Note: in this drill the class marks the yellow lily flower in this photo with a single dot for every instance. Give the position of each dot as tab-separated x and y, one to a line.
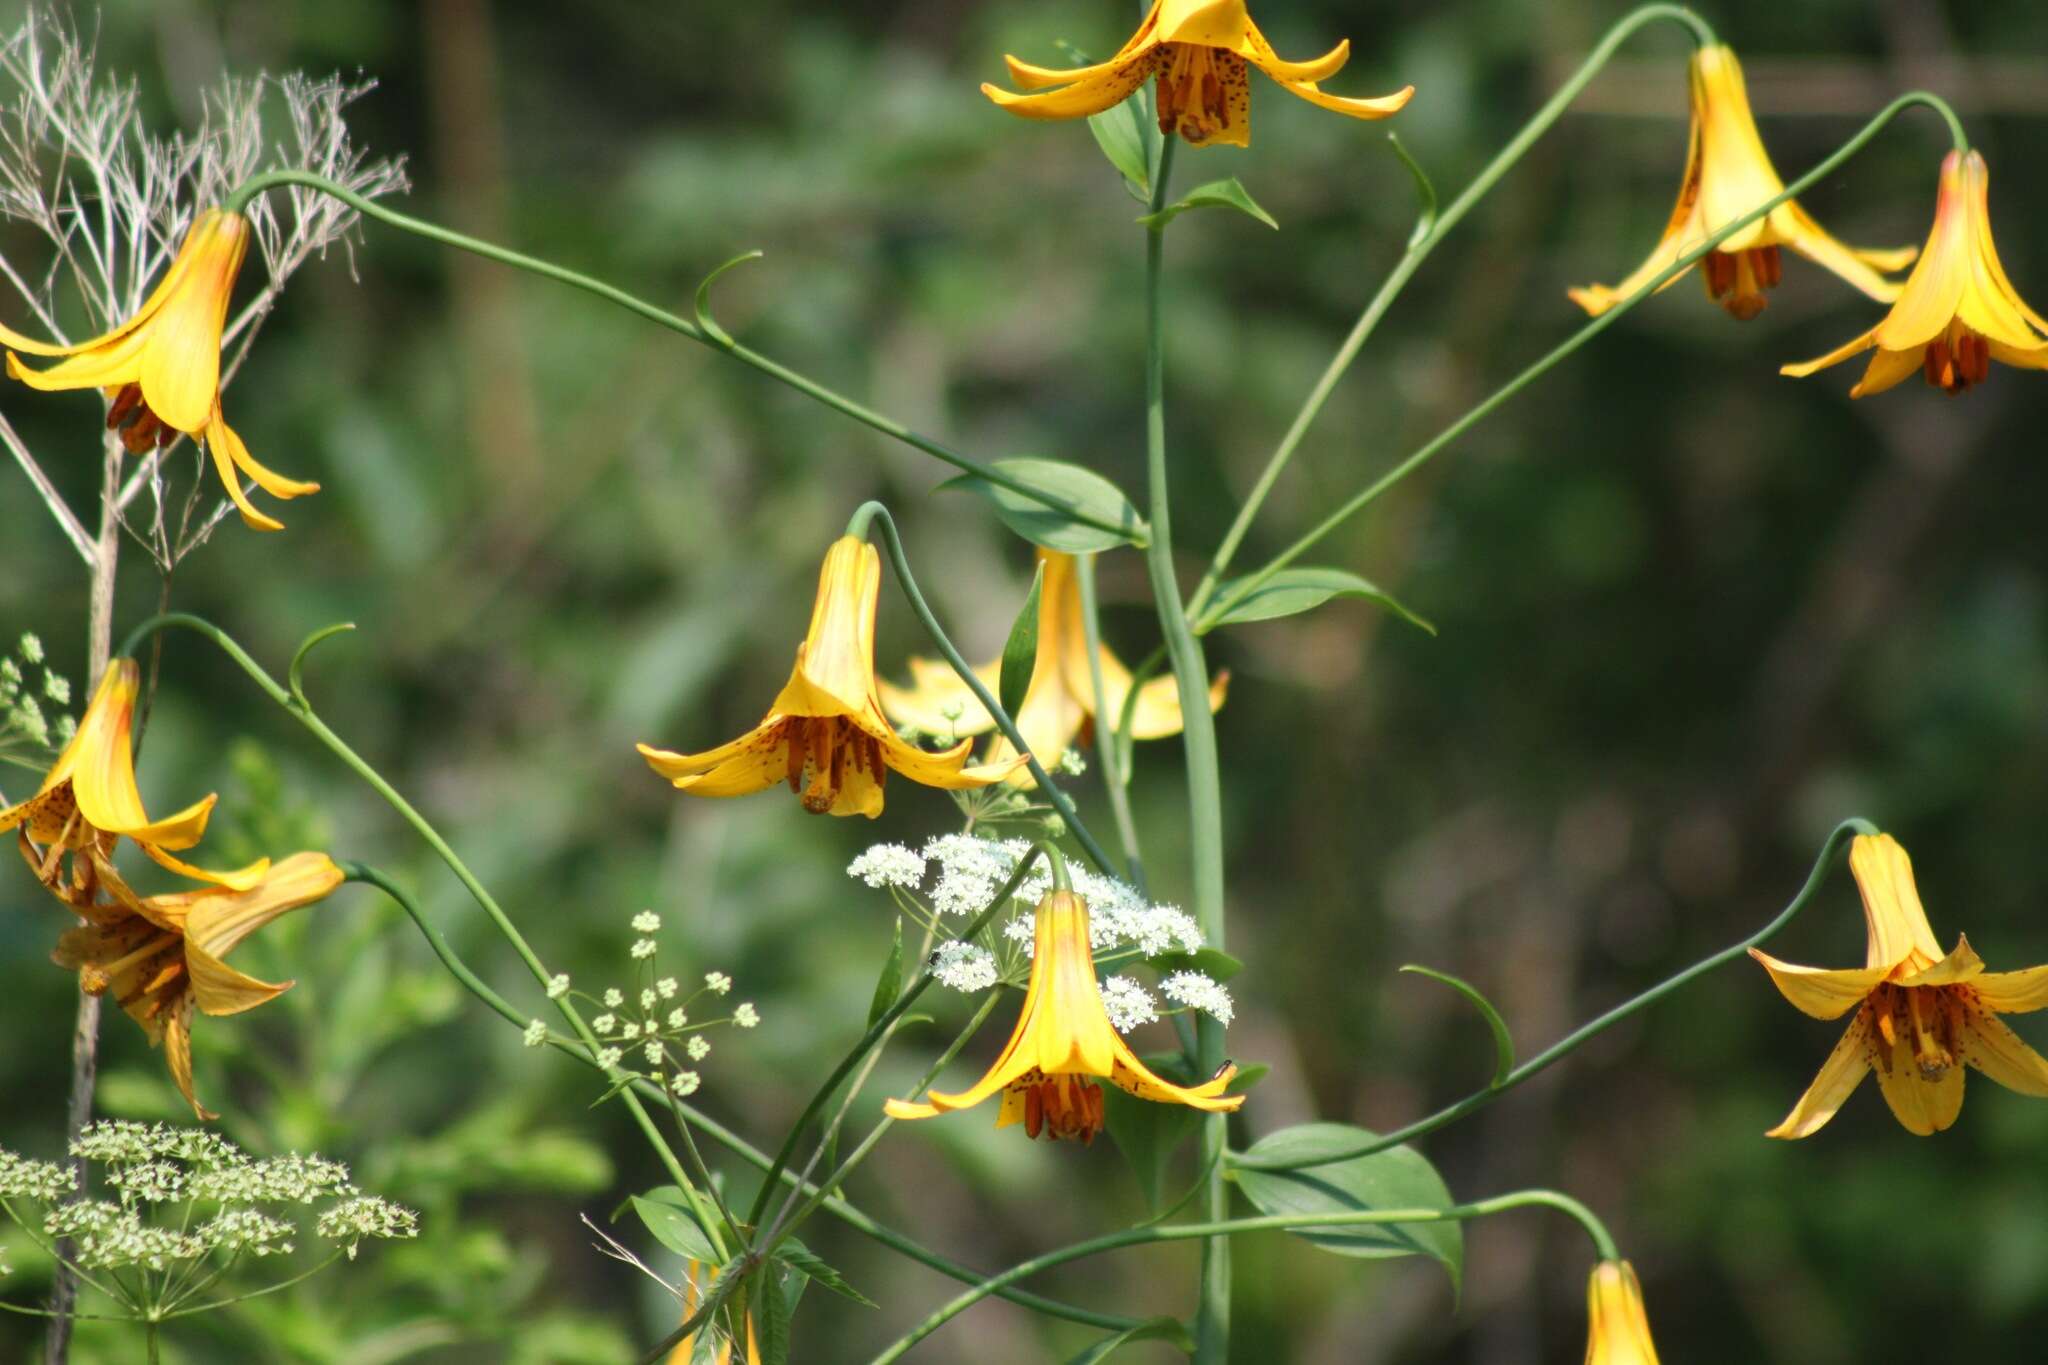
89	799
1919	1016
162	366
1063	1039
1199	49
1618	1330
826	733
1728	174
161	956
1959	311
1060	704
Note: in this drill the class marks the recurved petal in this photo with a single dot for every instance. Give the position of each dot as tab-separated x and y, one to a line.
177	1041
219	920
1134	1077
106	366
219	989
1923	1104
221	444
2020	357
1028	77
1678	239
1082	98
269	480
754	762
1839	1076
2019	992
1817	991
1887	369
1806	237
1961	965
1256	50
946	769
937	702
1987	1043
1371	107
240	879
1157	713
1803	368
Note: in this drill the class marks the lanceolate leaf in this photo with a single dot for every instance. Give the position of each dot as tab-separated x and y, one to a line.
1072	490
1020	654
807	1261
1398	1178
1296	590
1122	133
1217	194
666	1214
1157	1329
891	982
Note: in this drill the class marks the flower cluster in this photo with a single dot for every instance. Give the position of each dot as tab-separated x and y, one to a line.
956	876
181	1196
32	697
653	1028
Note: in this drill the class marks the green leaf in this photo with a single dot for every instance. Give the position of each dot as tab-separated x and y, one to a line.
1072	488
1217	194
667	1214
1292	591
807	1261
1503	1044
891	982
1126	137
1020	653
774	1315
1398	1178
1150	1134
1156	1329
1213	963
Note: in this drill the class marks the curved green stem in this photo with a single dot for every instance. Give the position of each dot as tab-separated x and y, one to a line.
1246	586
1116	778
1570	1043
1231	1227
303	712
836	1205
876	1032
709	335
1434	230
906	580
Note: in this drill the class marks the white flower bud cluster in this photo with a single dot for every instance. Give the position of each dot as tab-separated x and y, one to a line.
652	1024
43	1181
1128	1003
365	1215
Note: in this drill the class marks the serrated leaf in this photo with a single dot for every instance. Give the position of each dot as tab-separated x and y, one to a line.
773	1314
809	1263
1074	490
1397	1178
1292	591
1155	1329
891	982
1213	963
1020	652
1121	133
1503	1042
666	1214
1217	194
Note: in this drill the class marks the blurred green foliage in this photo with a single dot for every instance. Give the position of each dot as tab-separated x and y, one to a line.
1690	614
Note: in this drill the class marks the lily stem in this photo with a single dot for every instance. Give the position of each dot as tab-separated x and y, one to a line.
1231	1227
906	580
1432	230
1250	584
1571	1042
704	331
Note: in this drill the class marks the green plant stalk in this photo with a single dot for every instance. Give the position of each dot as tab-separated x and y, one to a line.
739	1146
1198	743
870	512
1116	779
706	331
1231	1227
295	703
1571	1042
1251	583
1430	231
875	1033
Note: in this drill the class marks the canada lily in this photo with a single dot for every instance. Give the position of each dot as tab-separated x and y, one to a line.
1728	174
161	956
162	366
1063	1041
1920	1016
826	733
1958	312
1618	1330
1060	703
89	800
1199	49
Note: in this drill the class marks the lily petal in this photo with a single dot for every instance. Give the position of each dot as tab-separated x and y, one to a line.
1961	965
1082	98
1817	991
1839	1076
1989	1044
1923	1104
754	762
2019	992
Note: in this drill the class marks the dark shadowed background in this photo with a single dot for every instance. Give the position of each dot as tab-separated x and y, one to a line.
1691	615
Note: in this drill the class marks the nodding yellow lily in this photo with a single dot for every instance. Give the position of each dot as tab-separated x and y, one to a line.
1060	704
1959	312
1920	1016
1200	50
161	956
1064	1041
826	733
89	800
1618	1330
1728	174
162	366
